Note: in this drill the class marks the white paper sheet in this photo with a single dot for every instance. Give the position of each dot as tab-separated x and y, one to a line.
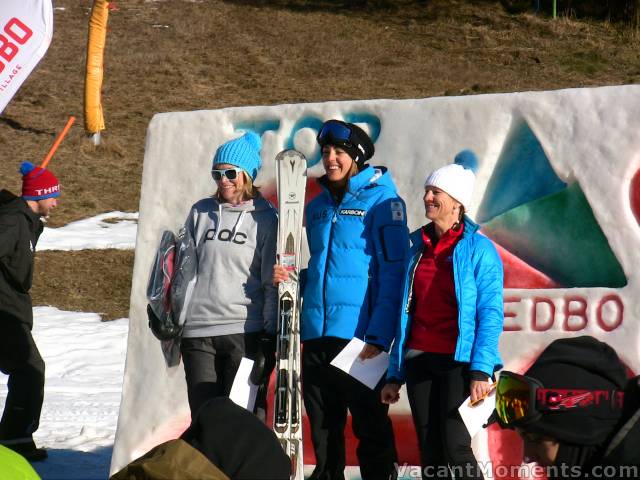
368	371
475	417
243	392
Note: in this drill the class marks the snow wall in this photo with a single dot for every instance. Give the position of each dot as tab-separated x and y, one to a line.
558	191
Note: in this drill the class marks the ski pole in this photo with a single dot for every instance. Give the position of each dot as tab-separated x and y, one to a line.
56	144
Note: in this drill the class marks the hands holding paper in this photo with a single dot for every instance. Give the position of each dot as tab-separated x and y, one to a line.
391	391
368	351
480	389
365	362
476	413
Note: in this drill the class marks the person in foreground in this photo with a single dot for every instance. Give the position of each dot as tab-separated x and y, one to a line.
575	410
224	441
20	228
358	240
446	346
233	306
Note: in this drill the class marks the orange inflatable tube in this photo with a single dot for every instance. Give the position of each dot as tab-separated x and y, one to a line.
93	117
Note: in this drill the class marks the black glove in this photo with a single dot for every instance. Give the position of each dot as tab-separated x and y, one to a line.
265	360
162	327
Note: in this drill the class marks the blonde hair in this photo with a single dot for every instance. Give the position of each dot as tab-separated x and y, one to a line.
353	171
249	190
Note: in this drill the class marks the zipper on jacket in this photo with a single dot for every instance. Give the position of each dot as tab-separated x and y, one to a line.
326	267
369	295
413	275
457	283
408	306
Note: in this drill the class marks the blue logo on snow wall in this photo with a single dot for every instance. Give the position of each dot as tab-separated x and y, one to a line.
523	174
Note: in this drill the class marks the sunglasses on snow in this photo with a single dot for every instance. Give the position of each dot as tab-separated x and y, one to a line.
230	173
521	400
334	132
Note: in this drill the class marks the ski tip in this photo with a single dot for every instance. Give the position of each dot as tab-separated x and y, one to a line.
289	153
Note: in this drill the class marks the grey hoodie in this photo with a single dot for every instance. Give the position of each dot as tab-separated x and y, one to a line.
236	251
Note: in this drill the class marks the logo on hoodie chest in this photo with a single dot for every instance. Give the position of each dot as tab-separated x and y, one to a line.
225	235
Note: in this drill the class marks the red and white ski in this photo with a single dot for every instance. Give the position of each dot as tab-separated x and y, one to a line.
291	168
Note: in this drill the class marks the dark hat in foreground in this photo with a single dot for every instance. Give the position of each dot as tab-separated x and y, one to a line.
581	363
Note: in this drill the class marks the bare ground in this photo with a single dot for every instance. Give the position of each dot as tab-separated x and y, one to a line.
205	54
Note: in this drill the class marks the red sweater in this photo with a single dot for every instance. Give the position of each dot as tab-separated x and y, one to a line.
434	327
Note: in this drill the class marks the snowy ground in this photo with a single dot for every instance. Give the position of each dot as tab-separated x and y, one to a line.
108	230
84	366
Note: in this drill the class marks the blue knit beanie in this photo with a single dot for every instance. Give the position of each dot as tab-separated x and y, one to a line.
243	152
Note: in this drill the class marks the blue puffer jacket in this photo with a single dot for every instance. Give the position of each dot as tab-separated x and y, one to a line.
358	250
478	278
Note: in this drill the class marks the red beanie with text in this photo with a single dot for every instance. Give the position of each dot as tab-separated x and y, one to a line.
38	183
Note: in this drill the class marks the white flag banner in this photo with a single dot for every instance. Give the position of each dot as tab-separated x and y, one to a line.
26	28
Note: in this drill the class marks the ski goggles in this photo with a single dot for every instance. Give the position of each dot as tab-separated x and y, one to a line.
230	173
334	132
521	400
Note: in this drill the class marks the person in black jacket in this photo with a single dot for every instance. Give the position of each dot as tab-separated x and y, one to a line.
576	411
20	227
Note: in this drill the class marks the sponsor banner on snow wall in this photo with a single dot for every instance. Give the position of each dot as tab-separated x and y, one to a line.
557	190
26	29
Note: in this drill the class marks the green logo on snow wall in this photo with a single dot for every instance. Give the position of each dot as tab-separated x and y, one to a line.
535	216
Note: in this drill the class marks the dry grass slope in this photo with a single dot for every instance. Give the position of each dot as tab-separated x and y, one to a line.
204	54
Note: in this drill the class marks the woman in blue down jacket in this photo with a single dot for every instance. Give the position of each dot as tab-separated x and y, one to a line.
446	346
358	240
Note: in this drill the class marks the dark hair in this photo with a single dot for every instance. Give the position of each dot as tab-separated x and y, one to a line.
460	221
462	212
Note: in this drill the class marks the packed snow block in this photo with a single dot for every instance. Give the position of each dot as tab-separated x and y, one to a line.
575	255
557	190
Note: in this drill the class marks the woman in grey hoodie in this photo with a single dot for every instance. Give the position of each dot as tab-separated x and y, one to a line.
234	303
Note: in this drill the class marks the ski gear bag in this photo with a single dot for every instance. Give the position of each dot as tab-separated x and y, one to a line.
170	285
161	318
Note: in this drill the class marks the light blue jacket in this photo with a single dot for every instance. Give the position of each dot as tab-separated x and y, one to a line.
358	250
478	279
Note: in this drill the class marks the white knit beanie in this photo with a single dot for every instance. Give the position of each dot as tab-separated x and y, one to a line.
458	178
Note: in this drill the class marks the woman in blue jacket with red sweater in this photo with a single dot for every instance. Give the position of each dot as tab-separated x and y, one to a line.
446	346
358	240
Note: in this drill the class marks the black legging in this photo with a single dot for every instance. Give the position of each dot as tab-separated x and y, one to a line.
328	393
21	360
436	386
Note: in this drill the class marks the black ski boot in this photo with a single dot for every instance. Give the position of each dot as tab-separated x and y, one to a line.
28	450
